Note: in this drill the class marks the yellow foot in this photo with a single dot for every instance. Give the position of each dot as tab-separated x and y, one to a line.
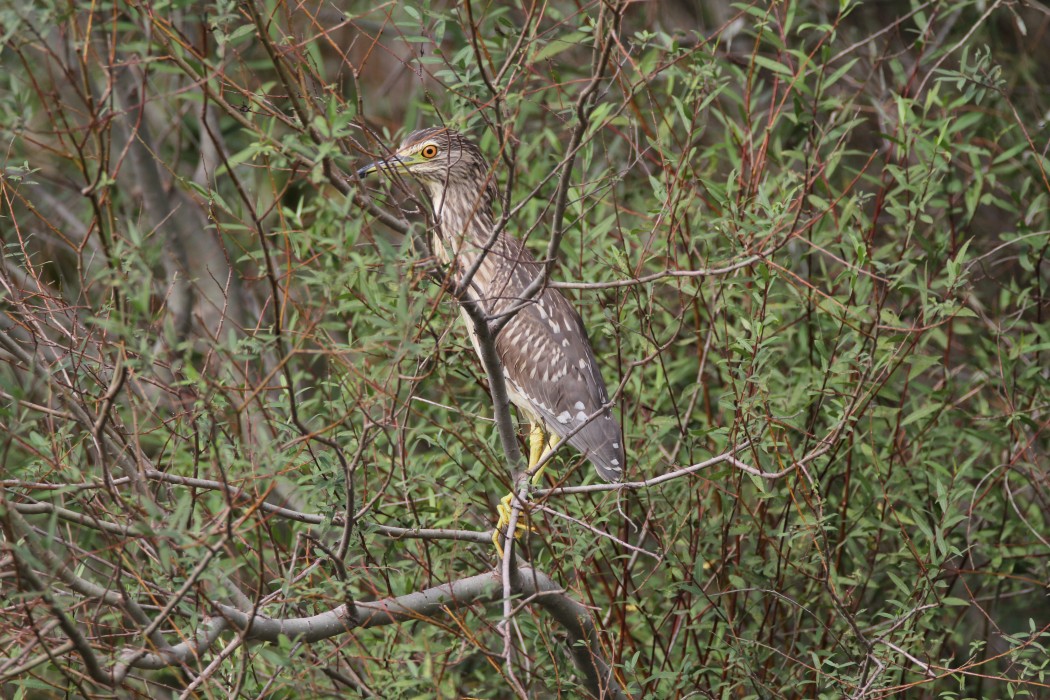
503	509
539	443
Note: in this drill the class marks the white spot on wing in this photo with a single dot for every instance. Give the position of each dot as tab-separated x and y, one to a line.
615	462
563	417
580	406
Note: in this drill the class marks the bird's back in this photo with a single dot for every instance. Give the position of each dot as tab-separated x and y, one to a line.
548	362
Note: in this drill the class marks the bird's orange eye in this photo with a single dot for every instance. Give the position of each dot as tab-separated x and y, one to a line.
429	151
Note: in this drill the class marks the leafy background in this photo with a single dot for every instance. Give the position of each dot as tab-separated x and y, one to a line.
812	234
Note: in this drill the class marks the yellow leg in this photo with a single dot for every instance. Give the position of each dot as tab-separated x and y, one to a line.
537	444
541	447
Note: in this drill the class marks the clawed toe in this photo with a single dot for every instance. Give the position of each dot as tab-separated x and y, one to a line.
503	510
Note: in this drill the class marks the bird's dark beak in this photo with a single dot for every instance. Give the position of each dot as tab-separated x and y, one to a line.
388	164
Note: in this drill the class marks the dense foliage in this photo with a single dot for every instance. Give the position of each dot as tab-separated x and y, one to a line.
808	240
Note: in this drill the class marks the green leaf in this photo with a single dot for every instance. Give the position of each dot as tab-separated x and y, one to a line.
559	45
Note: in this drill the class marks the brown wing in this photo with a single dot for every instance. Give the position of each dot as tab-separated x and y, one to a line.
548	360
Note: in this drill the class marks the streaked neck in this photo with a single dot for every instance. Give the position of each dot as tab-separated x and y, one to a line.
464	214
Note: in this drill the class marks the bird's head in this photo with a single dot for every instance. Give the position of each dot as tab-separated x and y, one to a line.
437	156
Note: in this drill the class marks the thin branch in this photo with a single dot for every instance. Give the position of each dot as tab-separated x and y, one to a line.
584	109
33	582
657	276
669	476
587	526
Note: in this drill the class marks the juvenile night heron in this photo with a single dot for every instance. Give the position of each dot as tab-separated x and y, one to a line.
550	370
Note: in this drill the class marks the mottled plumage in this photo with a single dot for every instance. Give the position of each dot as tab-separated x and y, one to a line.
552	375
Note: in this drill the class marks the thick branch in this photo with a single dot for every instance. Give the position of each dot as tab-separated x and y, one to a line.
582	637
583	642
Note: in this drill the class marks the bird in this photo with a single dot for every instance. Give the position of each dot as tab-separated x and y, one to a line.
550	369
